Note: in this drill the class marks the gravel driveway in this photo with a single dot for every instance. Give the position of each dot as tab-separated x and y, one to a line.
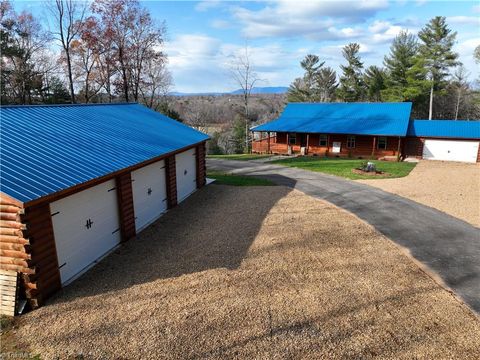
258	272
451	187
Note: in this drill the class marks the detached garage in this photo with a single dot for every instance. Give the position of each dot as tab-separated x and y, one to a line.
77	180
445	140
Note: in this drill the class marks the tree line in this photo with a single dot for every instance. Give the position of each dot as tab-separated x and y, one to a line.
110	50
420	68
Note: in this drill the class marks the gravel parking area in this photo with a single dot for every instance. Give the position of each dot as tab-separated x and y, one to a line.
451	187
254	272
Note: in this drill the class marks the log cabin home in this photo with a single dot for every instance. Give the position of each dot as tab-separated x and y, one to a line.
77	181
366	130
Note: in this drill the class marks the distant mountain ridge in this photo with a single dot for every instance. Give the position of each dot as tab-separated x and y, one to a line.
255	90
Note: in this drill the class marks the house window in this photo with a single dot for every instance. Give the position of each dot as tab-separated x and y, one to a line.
323	140
382	143
351	142
292	139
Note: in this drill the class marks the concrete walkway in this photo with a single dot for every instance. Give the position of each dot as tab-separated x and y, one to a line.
449	247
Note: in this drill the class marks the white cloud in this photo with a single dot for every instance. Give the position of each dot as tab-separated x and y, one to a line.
464	20
207	5
201	63
220	24
465	50
316	20
384	32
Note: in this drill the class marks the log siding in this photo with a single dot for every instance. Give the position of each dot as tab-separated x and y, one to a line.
365	146
125	206
201	165
171	174
44	278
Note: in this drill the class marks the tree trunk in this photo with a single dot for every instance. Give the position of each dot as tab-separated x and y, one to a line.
124	74
430	110
457	106
70	77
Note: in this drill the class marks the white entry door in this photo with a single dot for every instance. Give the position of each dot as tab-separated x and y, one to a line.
186	167
450	150
149	194
86	226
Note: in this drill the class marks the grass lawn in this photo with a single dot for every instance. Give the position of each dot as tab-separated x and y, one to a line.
344	167
241	157
238	180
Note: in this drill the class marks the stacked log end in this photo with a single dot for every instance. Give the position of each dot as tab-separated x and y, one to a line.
14	256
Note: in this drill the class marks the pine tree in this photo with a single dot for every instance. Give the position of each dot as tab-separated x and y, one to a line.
327	84
305	89
351	84
437	54
374	79
397	64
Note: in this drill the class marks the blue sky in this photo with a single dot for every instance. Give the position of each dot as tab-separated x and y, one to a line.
204	36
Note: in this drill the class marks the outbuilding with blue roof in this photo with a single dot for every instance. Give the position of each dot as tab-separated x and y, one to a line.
366	130
77	180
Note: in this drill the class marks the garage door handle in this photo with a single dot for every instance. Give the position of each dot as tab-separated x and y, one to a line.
62	265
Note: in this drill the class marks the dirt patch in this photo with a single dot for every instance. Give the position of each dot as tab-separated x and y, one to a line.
451	187
370	173
254	273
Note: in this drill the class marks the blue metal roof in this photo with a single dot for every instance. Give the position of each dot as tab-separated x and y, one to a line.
390	119
459	129
45	149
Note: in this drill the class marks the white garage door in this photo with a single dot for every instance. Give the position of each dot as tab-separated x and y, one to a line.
450	150
86	226
149	194
186	167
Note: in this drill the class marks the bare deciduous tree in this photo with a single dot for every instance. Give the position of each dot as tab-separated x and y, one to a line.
155	83
244	75
68	15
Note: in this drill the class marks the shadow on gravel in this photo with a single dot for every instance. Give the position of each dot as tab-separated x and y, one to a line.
213	228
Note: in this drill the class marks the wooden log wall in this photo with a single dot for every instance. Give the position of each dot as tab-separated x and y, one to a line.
125	206
13	254
201	165
43	277
171	175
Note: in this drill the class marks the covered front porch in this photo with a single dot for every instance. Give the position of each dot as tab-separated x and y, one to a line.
333	145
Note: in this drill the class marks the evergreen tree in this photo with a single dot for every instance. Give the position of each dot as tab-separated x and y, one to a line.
436	53
351	85
398	63
298	92
305	89
327	84
374	80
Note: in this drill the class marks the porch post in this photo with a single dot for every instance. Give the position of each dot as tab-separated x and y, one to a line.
399	148
268	142
308	139
374	145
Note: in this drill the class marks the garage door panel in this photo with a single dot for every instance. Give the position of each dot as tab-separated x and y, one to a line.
86	226
186	172
149	193
450	150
